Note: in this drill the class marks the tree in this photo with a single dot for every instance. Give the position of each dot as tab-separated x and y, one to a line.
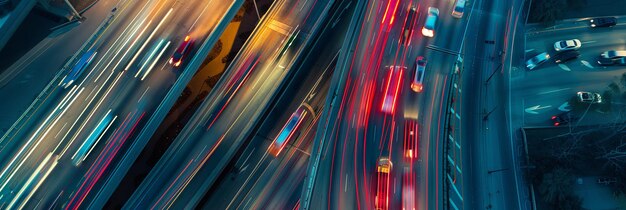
548	11
556	185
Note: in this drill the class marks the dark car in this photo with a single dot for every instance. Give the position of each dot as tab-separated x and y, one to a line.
603	22
181	52
408	27
563	119
564	56
605	61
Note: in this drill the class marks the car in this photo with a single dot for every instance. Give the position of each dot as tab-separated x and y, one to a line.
417	84
431	21
564	56
405	39
572	44
613	54
411	139
182	50
459	6
537	60
78	69
605	61
383	169
392	88
563	118
588	97
287	132
603	22
408	190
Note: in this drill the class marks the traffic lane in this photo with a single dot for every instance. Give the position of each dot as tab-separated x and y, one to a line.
37	71
307	89
137	94
238	105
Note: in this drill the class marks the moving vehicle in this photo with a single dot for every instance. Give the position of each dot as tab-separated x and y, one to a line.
78	69
405	39
588	97
605	61
459	6
563	119
408	190
417	84
181	52
537	60
392	88
603	22
383	169
431	22
564	56
411	139
286	133
613	54
93	138
572	44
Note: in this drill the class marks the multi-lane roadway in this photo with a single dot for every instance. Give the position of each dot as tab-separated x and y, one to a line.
60	152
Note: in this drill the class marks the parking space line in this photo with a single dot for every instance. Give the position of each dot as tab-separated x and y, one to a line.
456	143
453	205
454	187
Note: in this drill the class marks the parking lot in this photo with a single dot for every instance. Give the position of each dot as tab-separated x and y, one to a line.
543	92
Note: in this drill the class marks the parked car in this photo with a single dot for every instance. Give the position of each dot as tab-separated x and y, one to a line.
564	56
537	60
603	22
572	44
589	97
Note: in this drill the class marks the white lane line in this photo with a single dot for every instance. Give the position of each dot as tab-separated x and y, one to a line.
565	107
553	91
345	188
564	67
588	42
143	94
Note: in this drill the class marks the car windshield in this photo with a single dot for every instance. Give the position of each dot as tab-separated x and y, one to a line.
612	54
563	44
459	8
419	75
177	55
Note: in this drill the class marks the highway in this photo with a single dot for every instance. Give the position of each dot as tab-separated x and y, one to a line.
57	157
357	132
204	147
257	179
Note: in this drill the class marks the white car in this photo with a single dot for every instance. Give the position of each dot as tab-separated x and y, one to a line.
613	54
588	97
431	21
457	12
572	44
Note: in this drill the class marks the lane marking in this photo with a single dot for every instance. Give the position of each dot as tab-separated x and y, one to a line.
564	67
553	91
